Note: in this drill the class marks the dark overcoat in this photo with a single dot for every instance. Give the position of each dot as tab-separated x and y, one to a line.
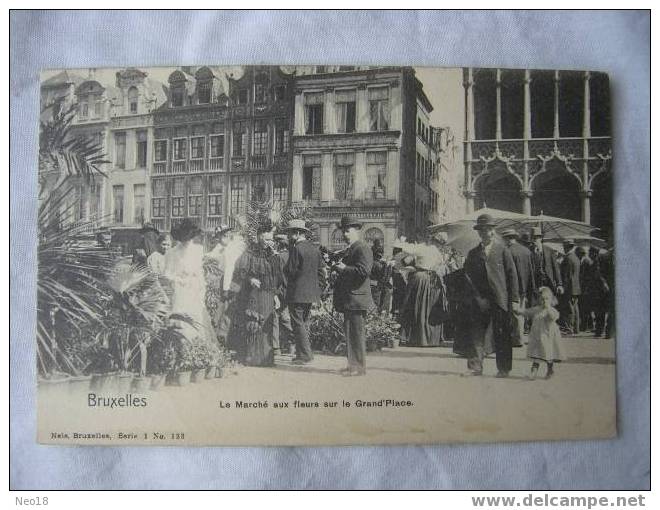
353	285
570	274
546	268
304	272
494	275
522	258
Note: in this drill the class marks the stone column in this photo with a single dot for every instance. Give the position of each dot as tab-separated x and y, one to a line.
362	109
586	206
527	134
299	116
327	177
296	179
468	83
329	120
586	134
360	182
555	132
527	202
393	173
469	201
498	105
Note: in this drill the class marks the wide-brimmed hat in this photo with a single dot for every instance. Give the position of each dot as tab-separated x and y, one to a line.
221	231
298	225
185	231
347	221
485	221
509	232
148	227
536	232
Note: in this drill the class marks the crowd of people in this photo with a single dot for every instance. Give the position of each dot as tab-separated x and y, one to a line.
490	301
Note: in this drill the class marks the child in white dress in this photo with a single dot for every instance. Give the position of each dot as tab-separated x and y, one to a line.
544	336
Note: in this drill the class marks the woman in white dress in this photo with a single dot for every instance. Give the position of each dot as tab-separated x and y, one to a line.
184	269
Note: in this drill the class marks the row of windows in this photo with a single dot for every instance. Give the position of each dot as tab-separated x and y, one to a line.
189	192
118	203
425	170
345	110
204	94
344	176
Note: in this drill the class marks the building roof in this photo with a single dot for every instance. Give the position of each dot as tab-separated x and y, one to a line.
63	78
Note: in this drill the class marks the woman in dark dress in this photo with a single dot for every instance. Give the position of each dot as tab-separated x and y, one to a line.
259	274
425	288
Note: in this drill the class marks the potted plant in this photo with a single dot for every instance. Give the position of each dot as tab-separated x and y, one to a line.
203	356
161	360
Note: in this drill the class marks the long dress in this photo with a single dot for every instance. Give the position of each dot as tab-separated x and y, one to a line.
423	290
185	273
254	308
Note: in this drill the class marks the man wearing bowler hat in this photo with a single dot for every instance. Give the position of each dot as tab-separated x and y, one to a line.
494	282
546	267
352	294
304	272
522	259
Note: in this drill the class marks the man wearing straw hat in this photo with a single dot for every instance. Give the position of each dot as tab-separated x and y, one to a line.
494	282
352	294
304	271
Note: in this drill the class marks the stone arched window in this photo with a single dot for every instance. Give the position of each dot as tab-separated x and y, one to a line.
372	234
133	100
261	87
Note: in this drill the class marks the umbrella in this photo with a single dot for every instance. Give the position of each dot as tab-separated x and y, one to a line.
560	228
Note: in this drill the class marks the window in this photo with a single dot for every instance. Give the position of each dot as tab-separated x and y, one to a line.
280	191
239	139
179	148
320	69
377	173
138	203
344	165
379	109
345	108
258	188
237	194
98	105
280	92
197	147
158	192
120	150
118	203
160	150
204	93
195	192
242	96
133	100
177	97
282	136
260	92
260	137
215	195
314	113
83	108
312	177
217	146
141	149
178	196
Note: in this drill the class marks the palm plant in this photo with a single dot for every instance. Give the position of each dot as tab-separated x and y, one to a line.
71	269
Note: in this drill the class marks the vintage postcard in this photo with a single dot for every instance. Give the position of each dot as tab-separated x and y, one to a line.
324	255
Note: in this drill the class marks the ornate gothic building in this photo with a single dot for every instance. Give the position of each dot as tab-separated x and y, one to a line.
539	142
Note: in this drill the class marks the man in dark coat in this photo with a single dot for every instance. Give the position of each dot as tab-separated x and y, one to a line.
494	281
522	259
546	267
352	294
570	275
304	272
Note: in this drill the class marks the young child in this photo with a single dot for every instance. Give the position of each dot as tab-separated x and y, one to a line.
544	336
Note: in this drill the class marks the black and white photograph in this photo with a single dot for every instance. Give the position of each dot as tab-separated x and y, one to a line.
369	254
